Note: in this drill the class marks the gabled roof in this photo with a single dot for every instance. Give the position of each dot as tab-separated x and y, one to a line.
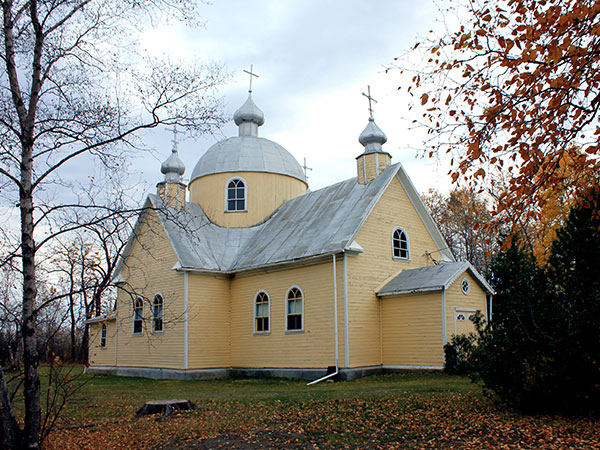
431	278
314	225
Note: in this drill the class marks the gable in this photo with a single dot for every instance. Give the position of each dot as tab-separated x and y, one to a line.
395	210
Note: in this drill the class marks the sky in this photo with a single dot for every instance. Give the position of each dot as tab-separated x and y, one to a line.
314	59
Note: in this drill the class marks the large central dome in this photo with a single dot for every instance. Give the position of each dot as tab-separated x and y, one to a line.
242	180
248	152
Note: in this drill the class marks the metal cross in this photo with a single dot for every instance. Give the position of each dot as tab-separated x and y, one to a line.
305	167
371	99
174	138
251	75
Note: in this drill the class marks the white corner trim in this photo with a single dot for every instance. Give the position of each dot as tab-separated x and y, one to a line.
346	337
335	313
186	277
444	329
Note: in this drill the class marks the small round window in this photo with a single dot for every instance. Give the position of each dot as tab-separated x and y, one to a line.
465	286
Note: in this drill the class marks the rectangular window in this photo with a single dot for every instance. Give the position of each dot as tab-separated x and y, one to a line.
103	336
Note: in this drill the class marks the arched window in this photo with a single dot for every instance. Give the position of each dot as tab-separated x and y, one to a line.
138	315
400	244
157	314
236	195
103	336
261	312
295	309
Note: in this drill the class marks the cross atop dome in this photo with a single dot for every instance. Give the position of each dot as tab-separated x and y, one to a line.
173	168
370	100
252	74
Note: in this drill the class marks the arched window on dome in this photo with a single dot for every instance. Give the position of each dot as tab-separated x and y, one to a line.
400	244
235	199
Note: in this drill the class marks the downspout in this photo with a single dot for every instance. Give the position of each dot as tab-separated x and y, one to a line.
335	328
185	320
116	341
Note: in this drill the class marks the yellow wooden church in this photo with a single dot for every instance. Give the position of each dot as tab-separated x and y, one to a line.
253	274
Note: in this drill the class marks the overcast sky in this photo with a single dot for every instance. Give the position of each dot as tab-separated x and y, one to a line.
314	59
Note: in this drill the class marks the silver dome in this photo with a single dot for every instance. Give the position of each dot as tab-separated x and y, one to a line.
372	138
247	154
173	167
249	112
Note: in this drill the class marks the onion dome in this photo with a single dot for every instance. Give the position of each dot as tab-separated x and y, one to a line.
372	138
173	167
248	152
249	117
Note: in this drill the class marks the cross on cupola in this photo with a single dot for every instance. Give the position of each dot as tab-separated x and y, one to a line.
174	141
252	74
371	99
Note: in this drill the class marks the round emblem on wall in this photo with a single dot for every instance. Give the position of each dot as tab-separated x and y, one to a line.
465	286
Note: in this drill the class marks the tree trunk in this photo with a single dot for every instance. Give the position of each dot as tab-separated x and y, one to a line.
73	340
9	430
30	350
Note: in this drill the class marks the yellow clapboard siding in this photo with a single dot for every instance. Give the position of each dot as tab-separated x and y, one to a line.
369	270
265	193
412	330
99	356
209	332
149	271
475	299
311	348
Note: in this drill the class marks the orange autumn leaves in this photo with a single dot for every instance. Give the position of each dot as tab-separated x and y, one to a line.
512	90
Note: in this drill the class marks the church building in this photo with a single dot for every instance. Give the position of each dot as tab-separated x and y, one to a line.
251	273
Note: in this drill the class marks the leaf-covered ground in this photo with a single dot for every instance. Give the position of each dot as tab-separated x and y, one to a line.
410	411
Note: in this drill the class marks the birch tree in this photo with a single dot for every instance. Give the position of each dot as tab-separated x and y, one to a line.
74	94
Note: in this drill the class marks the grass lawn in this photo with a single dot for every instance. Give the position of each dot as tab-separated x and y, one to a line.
412	411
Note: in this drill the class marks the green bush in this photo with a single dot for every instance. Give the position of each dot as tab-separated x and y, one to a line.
542	351
458	354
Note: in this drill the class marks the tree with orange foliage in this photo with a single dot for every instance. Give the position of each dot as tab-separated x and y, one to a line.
510	90
557	201
461	217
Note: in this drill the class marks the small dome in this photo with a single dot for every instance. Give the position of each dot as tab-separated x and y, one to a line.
372	134
173	167
247	154
249	112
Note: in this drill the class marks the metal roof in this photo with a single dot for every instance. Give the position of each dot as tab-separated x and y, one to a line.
247	154
314	225
317	223
431	278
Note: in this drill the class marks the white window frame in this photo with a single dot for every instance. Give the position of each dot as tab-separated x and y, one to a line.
135	302
301	330
103	336
468	284
162	314
399	258
245	196
268	316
